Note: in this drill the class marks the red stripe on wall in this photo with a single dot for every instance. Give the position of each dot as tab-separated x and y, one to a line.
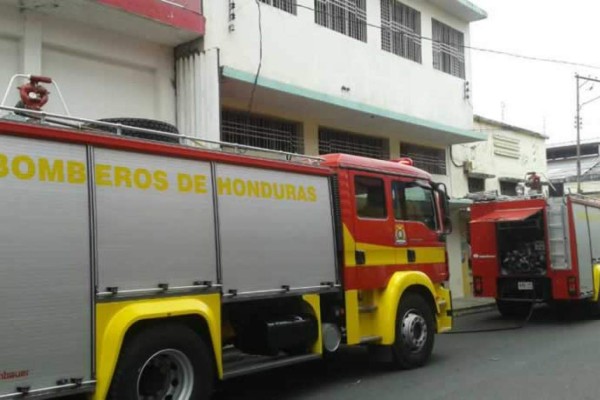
189	17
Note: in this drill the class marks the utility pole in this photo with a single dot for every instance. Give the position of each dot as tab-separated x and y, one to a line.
585	79
578	125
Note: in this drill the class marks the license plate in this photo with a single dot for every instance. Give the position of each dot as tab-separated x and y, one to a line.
525	285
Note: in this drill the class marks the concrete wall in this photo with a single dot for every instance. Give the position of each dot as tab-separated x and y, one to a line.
100	73
531	157
299	52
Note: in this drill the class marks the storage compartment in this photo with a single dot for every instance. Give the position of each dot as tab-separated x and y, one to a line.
522	246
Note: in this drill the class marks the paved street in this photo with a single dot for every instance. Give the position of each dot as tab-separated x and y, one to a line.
548	359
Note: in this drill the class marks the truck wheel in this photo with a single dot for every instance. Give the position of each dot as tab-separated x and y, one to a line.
415	330
169	362
513	309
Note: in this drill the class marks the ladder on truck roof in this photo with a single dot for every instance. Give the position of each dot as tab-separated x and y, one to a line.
21	113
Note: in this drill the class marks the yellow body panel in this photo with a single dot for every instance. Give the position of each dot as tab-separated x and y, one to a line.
382	321
387	304
115	318
314	300
388	255
596	272
353	331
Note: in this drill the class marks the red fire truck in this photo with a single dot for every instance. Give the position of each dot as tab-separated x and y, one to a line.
137	263
536	249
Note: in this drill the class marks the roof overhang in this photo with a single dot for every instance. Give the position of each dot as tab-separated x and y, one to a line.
170	22
338	112
462	9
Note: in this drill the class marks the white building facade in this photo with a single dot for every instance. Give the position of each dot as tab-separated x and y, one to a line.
110	58
357	66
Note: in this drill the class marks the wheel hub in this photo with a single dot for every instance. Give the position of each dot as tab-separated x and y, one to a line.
166	375
414	331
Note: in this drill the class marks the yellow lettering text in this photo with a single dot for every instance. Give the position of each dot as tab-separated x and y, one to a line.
200	183
142	178
75	172
103	175
122	177
312	194
54	172
3	166
23	167
184	183
161	181
239	187
290	192
223	186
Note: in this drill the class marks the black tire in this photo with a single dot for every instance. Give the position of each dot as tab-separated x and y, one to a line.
511	309
140	123
406	353
132	368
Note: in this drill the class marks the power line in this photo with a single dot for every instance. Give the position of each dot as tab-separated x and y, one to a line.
480	49
260	34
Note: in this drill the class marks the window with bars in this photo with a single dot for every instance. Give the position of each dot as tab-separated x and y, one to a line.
345	16
508	188
285	5
331	141
401	30
448	49
258	131
476	185
430	159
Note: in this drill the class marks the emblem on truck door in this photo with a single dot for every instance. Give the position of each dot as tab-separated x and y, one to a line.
400	234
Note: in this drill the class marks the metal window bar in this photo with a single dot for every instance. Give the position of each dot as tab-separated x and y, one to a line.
401	30
53	119
290	6
429	159
331	141
448	49
348	17
258	131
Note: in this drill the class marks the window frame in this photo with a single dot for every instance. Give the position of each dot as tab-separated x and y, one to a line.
386	213
424	161
400	196
401	34
348	17
288	6
448	46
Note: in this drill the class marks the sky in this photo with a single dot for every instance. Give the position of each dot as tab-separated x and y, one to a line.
535	95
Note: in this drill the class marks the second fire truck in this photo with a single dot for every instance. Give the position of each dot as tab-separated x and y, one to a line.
536	249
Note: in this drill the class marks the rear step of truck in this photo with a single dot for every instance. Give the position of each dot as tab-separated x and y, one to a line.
236	363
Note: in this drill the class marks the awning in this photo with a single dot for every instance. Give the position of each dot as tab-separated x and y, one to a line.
518	214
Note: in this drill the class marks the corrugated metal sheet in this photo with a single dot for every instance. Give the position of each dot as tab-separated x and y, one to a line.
563	169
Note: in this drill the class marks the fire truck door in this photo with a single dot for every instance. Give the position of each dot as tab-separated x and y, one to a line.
484	257
416	227
373	224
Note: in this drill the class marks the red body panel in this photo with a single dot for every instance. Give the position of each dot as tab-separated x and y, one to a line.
484	251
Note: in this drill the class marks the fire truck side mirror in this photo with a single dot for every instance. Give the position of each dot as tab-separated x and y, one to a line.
444	200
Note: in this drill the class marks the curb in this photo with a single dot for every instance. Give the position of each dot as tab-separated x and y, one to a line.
474	310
